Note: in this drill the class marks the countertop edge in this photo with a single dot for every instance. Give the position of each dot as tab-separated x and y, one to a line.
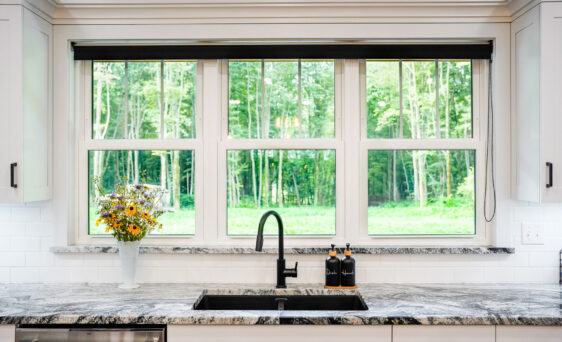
110	249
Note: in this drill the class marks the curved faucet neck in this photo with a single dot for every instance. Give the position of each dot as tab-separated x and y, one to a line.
259	242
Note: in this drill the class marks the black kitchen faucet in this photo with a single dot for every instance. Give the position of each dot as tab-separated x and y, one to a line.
282	272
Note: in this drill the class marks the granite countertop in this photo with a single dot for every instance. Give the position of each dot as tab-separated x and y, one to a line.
104	249
513	304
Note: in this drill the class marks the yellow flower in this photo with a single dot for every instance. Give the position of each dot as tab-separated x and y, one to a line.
134	230
98	221
131	210
146	215
116	225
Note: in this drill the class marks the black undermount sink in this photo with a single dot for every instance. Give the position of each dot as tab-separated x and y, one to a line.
281	302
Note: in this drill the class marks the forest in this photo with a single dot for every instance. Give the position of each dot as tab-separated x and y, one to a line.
409	191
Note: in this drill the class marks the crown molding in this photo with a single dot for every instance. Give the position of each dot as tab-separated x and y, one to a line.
274	11
43	8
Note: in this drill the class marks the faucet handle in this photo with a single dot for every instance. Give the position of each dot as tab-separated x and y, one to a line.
291	272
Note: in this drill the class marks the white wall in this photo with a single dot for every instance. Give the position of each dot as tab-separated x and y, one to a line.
27	232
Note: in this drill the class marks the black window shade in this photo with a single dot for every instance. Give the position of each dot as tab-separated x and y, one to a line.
308	51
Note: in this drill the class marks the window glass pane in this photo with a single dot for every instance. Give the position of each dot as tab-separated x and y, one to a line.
172	170
299	184
245	100
455	99
268	99
179	99
421	192
143	115
317	119
108	100
128	103
418	86
383	101
418	117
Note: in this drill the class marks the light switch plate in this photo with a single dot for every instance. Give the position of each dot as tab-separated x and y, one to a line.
531	234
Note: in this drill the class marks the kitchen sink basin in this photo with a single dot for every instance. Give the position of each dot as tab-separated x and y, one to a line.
280	301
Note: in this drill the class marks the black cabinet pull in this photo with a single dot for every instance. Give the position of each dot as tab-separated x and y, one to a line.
13	175
549	166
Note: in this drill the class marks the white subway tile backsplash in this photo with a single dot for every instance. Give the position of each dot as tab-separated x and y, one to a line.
39	259
12	259
24	275
28	231
4	274
26	214
39	229
25	244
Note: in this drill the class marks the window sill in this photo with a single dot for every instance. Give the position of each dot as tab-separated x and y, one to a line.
108	249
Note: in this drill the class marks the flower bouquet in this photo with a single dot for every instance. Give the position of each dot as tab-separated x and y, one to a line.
129	214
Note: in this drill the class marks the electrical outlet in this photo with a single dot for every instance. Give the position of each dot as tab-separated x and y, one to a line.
531	234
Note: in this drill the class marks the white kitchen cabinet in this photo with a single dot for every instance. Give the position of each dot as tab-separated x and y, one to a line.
7	333
436	333
283	333
528	334
536	102
26	110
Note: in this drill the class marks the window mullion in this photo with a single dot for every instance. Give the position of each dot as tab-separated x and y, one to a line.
300	97
401	94
162	125
126	109
437	118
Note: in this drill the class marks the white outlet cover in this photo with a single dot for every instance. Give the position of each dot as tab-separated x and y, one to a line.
531	234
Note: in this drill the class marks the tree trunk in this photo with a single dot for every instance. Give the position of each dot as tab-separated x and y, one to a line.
252	161
280	181
296	186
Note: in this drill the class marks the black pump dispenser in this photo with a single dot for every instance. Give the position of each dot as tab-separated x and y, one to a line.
333	268
347	268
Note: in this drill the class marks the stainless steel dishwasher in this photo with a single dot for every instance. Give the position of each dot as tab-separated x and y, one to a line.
84	334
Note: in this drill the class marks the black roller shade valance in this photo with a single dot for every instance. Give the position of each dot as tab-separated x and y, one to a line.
274	51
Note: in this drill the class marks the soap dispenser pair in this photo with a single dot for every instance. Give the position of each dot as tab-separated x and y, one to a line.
340	273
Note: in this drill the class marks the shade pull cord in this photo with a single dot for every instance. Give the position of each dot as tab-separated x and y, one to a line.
490	167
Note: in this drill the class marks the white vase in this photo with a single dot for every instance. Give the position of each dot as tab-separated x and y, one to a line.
129	254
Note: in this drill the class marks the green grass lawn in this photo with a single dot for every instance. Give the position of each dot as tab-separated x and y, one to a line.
405	219
408	220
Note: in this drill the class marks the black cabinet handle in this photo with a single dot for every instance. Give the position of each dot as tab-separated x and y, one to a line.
549	166
13	175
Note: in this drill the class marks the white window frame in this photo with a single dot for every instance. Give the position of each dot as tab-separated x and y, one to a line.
476	143
212	143
83	104
227	144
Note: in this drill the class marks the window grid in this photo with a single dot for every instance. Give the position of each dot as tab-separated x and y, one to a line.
230	144
475	143
349	127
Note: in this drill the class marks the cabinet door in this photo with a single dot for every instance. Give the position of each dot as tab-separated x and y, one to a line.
36	114
525	128
7	333
10	98
528	334
283	333
434	333
551	100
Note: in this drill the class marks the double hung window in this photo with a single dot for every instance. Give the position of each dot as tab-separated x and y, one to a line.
281	131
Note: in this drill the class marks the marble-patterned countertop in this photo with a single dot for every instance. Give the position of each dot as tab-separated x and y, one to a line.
101	249
510	304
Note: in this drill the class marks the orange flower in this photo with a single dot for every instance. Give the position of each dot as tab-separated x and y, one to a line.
146	215
131	210
134	230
